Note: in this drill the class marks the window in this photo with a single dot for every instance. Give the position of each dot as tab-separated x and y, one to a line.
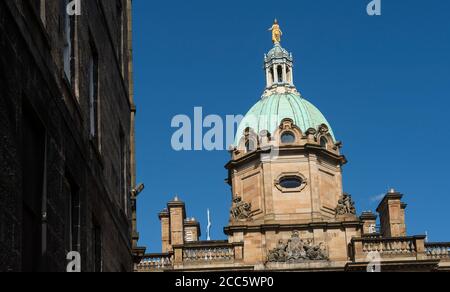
39	7
68	38
324	142
272	75
287	138
250	146
120	35
33	184
280	74
74	215
93	95
123	173
291	182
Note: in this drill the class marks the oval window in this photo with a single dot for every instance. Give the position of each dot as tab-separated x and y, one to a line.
287	138
291	182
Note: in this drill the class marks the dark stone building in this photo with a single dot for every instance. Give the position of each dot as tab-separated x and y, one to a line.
67	166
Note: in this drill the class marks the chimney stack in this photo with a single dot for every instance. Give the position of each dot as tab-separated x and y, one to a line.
177	215
164	217
392	215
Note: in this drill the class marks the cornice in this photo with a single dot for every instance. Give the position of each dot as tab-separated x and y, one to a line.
286	227
286	150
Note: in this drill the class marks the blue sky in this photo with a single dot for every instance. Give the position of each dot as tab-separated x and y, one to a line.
382	82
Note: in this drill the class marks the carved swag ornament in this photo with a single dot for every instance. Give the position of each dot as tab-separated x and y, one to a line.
296	250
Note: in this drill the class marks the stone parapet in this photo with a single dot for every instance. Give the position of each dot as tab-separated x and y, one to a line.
388	249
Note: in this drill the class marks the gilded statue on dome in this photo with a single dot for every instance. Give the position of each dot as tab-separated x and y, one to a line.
276	32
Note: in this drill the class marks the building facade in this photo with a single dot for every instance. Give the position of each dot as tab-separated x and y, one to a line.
67	164
288	208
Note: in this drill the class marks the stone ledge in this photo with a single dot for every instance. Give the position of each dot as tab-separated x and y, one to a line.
229	230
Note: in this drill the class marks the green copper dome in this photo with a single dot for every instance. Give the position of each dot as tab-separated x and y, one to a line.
268	113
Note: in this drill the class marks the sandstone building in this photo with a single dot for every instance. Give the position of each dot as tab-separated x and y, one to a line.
288	209
67	166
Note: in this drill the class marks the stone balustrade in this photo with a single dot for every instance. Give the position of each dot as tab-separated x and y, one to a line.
390	246
193	254
206	253
401	247
155	262
438	250
225	253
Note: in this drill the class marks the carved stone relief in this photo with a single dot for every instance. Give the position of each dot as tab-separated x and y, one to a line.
297	250
241	210
345	206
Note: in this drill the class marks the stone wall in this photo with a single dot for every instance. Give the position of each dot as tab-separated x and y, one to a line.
32	82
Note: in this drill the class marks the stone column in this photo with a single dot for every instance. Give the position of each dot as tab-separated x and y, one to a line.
291	73
358	253
178	257
314	183
284	73
238	252
420	247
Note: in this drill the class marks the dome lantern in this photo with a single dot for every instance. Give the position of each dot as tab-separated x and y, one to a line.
278	63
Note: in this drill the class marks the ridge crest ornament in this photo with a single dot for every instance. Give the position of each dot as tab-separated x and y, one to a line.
297	250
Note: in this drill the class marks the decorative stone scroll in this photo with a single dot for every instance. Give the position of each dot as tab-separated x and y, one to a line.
297	250
323	130
241	210
346	206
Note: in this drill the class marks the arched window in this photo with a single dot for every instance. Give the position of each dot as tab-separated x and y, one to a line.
288	73
250	146
272	76
287	138
324	143
280	74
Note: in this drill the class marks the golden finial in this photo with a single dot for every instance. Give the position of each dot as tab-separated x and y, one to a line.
276	32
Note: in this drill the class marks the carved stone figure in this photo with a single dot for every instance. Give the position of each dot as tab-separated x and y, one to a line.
276	32
296	250
317	252
241	210
323	130
346	206
279	253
